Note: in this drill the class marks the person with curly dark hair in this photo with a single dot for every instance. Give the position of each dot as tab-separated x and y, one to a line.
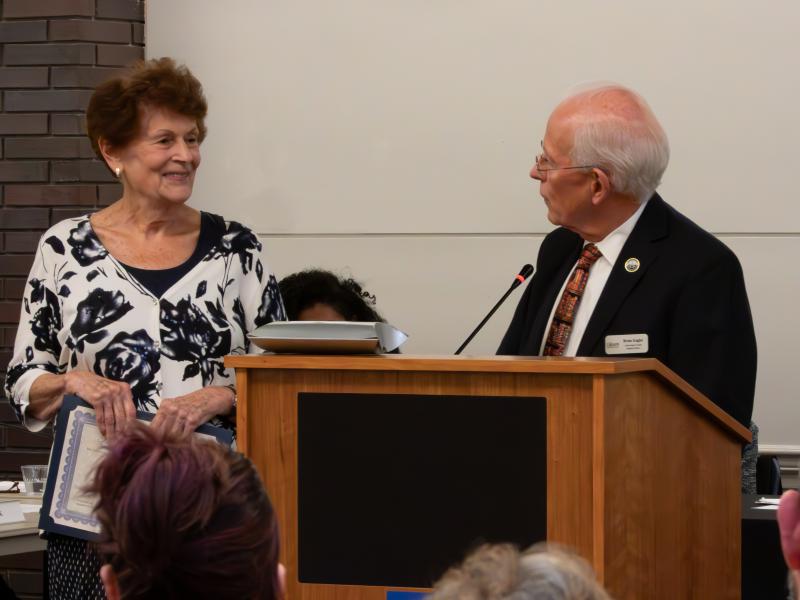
209	532
135	306
318	295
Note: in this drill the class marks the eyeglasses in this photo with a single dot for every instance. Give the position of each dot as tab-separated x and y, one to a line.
543	166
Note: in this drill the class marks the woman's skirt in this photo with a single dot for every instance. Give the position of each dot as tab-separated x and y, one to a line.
73	569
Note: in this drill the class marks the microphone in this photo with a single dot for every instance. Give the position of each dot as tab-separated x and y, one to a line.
524	273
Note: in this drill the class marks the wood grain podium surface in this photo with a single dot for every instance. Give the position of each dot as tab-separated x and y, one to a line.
490	364
642	469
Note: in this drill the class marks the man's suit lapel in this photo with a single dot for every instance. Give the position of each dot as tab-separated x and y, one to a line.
652	226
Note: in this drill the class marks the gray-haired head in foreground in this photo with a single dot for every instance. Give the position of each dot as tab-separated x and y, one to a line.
501	572
615	129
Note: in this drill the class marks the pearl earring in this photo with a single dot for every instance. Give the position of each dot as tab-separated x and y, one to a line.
117	172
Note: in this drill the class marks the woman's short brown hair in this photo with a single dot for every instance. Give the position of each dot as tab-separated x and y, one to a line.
114	111
185	518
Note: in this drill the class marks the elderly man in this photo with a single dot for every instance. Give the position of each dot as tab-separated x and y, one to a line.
625	274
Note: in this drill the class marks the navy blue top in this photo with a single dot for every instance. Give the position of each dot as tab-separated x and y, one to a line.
158	281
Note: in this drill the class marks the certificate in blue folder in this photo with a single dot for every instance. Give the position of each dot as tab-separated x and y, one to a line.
77	449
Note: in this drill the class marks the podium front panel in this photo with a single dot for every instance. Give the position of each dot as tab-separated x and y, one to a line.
395	488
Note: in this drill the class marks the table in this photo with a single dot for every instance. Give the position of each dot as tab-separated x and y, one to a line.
763	568
18	538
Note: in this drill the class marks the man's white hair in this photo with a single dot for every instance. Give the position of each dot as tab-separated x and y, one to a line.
615	130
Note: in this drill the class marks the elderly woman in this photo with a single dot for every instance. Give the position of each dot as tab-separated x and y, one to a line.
501	572
134	307
224	543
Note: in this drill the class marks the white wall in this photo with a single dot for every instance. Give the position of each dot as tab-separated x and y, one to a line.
392	140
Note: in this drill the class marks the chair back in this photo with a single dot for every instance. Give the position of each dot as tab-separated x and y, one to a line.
749	462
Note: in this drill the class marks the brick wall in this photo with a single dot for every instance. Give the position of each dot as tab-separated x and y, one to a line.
53	53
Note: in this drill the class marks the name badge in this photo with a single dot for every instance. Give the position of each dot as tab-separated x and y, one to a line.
630	343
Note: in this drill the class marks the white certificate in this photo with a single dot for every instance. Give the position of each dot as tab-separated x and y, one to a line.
78	447
83	447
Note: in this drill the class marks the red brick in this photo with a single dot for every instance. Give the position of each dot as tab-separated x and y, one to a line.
47	100
16	264
25	582
130	10
81	170
49	54
118	55
74	124
23	170
22	438
23	218
109	193
14	288
6	354
23	77
16	9
2	293
90	31
21	241
7	414
9	335
29	560
59	214
88	77
49	195
9	312
23	31
23	123
138	33
48	147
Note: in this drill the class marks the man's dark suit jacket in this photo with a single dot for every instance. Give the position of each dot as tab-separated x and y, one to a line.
688	296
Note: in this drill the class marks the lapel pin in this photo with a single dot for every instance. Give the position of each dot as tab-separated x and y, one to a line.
632	265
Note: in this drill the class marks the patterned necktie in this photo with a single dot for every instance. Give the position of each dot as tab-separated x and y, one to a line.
561	326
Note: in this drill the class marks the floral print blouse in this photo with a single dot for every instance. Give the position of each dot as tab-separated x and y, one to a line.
81	309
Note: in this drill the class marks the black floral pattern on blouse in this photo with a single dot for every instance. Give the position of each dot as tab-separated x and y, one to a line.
238	316
56	244
238	241
46	322
134	359
78	314
271	308
86	248
37	290
187	335
94	313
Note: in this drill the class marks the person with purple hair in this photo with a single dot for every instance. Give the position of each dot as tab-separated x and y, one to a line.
184	518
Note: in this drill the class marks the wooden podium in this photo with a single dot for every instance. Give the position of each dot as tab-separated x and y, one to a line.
643	471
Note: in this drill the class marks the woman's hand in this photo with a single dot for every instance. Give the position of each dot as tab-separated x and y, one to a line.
184	414
112	400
